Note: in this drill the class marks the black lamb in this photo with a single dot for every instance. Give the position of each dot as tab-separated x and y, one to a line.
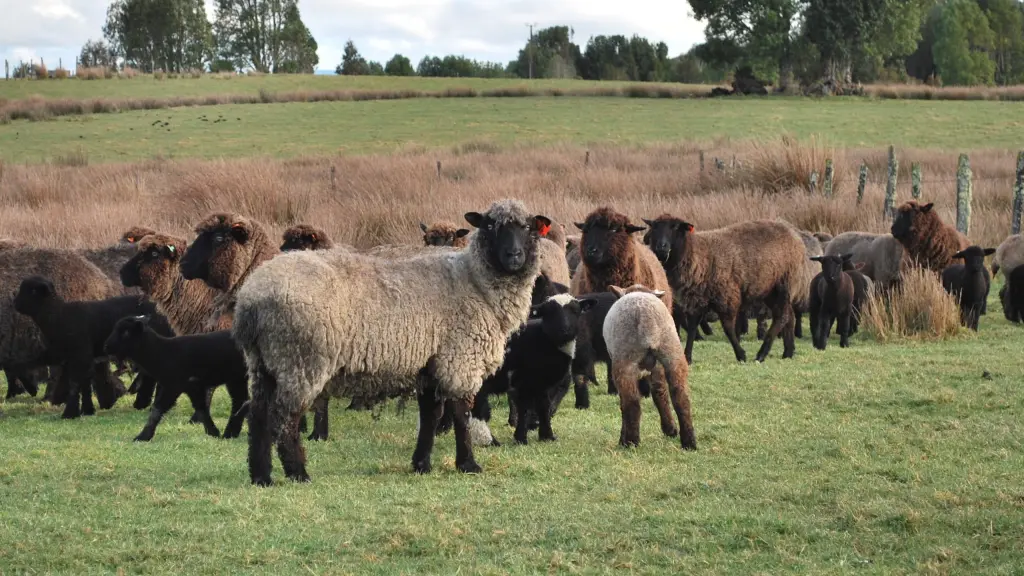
74	333
969	283
831	300
190	365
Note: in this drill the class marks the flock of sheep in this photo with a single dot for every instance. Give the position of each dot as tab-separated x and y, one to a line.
512	307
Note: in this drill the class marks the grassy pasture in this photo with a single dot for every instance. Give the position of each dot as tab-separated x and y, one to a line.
300	129
875	459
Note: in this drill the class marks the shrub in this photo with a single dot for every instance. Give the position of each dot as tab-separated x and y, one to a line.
776	168
917	308
61	74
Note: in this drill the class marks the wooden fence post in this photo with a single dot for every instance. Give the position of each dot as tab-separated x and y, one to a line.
438	169
7	70
334	182
862	181
586	159
1018	195
963	194
829	175
889	208
915	181
701	161
814	182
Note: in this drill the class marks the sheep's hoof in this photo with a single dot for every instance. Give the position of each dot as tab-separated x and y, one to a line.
786	354
301	477
422	467
89	411
143	437
195	419
70	414
141	403
629	443
551	438
494	442
670	432
316	437
582	405
262	481
470	467
228	435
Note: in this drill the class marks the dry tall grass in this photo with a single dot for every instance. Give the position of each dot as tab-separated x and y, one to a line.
381	199
918	308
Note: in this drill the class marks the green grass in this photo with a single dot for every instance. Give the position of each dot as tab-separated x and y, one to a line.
146	86
874	459
295	129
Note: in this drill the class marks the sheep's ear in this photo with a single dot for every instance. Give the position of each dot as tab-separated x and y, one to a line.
959	254
619	292
990	251
658	293
846	257
587	304
131	239
240	232
631	228
927	207
578	225
461	232
689	227
542	224
475	219
423	226
817	258
648	222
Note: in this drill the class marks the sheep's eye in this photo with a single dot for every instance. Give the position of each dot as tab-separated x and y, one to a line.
490	226
218	238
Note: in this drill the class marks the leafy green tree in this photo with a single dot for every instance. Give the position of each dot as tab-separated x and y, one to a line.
899	32
962	45
298	47
1007	22
375	68
265	35
553	54
352	63
837	28
399	66
171	35
96	53
459	66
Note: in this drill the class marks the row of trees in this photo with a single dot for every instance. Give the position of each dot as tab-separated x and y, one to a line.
961	41
175	36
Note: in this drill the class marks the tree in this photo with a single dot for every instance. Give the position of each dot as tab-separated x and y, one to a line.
399	66
897	35
458	67
1007	23
374	68
962	44
172	35
552	53
837	28
96	53
265	35
352	63
759	34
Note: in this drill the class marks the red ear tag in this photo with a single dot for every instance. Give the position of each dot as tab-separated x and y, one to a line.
691	227
544	229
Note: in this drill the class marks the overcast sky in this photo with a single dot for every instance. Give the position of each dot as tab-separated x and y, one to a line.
481	29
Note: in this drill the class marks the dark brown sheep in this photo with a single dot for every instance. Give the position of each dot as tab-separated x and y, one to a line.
136	233
445	233
717	270
227	249
305	237
926	239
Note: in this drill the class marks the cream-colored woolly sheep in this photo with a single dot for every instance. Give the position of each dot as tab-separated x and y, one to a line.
881	255
641	337
1009	255
355	325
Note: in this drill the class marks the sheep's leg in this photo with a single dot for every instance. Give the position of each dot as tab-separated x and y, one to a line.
844	330
659	391
57	387
13	386
581	391
264	386
821	329
482	406
320	417
543	408
431	409
72	406
788	333
798	326
705	327
522	428
108	389
675	374
761	331
166	397
626	374
239	408
742	323
290	450
464	460
144	391
691	335
555	395
197	417
513	408
198	398
782	313
445	422
728	320
88	408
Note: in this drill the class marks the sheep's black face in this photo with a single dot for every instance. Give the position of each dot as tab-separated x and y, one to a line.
831	267
560	316
299	242
33	293
443	237
211	256
124	339
974	257
606	235
903	224
666	237
510	246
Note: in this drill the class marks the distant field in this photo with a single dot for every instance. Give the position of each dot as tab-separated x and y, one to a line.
297	129
146	86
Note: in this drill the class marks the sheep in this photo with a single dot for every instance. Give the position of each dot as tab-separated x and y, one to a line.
444	234
822	237
74	333
111	258
1012	294
590	346
189	365
436	325
537	361
863	287
226	251
928	241
801	303
969	282
882	256
831	300
642	337
572	254
1009	255
716	270
305	237
21	343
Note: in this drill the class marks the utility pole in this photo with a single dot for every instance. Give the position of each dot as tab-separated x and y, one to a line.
530	46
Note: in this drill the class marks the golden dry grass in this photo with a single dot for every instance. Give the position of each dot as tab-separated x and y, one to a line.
917	308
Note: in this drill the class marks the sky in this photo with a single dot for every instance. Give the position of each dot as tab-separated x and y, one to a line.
490	30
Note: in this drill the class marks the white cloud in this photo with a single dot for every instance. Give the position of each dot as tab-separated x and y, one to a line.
481	29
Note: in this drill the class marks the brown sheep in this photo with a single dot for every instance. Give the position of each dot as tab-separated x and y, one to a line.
305	237
445	234
716	270
227	249
136	233
556	233
21	344
927	240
